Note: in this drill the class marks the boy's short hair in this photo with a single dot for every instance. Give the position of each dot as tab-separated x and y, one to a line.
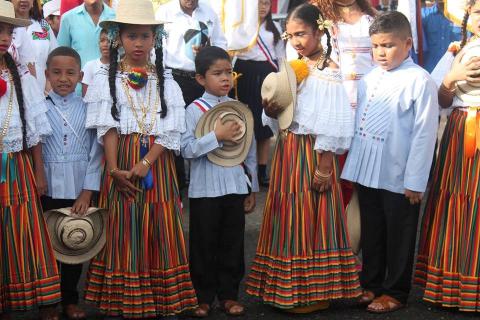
64	52
207	56
391	22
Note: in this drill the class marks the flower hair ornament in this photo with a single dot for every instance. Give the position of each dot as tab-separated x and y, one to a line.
324	24
113	34
160	34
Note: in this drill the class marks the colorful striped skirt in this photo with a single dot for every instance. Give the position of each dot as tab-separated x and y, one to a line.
143	270
448	264
303	254
28	270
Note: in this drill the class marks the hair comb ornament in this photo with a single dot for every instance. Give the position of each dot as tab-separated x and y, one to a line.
324	24
113	33
285	36
160	34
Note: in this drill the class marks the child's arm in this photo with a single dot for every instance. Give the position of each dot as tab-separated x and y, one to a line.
251	166
322	178
140	169
39	170
423	138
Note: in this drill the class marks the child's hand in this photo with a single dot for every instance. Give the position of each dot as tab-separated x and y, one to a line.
271	108
249	203
413	196
469	71
82	203
322	180
121	178
226	131
41	181
139	171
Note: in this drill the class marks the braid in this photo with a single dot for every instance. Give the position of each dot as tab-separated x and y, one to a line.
12	68
464	29
112	75
329	49
161	78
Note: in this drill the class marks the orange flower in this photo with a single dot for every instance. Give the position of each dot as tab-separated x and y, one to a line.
300	68
454	47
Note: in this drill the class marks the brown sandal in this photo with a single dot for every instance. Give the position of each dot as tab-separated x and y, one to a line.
74	312
232	308
202	311
49	313
387	304
366	298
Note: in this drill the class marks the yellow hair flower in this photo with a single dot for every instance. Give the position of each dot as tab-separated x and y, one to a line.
300	68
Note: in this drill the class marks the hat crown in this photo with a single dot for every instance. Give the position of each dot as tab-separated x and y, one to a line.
6	9
135	10
276	88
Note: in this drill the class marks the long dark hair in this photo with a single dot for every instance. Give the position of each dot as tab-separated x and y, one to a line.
112	74
309	14
12	68
270	26
331	10
470	3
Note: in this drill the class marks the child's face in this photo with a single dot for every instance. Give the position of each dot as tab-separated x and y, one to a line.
218	79
6	31
303	38
390	50
104	46
475	17
264	7
64	73
137	41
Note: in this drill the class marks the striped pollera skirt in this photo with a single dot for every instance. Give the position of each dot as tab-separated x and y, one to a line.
448	264
142	272
28	270
303	254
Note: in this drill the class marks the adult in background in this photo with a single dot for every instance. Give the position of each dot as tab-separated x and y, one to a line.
254	65
439	33
31	45
51	13
193	26
80	30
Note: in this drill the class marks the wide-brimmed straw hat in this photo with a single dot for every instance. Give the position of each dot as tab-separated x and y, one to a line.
138	12
231	153
7	15
354	223
467	91
281	88
76	239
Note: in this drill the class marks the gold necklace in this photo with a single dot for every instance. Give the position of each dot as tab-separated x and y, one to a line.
320	60
6	123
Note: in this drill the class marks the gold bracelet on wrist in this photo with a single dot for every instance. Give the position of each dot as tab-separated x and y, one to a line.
448	91
321	175
111	172
146	163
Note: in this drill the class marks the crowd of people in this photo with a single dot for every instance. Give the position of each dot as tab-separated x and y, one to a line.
102	107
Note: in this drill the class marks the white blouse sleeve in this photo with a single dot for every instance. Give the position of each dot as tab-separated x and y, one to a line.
442	68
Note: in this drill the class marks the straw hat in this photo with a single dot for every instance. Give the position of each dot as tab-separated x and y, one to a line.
133	12
7	15
281	88
231	153
76	239
469	92
51	8
354	222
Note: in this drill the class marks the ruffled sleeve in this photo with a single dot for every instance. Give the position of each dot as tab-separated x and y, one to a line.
38	125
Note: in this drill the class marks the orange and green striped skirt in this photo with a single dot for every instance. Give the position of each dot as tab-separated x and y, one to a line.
142	272
28	270
448	264
303	254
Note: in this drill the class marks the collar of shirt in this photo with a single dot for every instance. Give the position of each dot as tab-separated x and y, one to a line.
179	11
106	10
60	101
404	64
214	100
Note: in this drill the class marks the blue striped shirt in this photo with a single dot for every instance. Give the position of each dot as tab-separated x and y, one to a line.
71	164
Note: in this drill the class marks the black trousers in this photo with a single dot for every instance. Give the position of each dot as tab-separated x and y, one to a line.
389	229
69	273
217	266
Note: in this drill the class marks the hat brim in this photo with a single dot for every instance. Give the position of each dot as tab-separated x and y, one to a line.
285	118
144	22
16	21
354	223
233	155
66	255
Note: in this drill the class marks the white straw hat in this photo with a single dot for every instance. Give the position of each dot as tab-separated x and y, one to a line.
231	153
281	88
76	239
138	12
7	15
469	92
51	8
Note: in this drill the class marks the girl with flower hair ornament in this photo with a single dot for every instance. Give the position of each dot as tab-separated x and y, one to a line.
448	262
143	270
303	256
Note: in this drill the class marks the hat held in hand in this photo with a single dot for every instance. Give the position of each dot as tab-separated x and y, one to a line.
469	92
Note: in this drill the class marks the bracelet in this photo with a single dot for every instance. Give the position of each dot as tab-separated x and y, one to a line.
321	175
450	92
146	163
111	172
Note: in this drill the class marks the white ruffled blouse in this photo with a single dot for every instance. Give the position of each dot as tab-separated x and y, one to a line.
167	130
35	114
323	110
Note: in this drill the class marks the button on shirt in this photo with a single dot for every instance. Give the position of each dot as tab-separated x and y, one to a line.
184	31
208	179
71	163
78	31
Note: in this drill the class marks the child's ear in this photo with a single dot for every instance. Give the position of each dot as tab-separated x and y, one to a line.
409	43
200	79
47	74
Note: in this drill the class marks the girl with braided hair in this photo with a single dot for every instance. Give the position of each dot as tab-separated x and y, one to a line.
448	264
303	257
29	271
138	111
